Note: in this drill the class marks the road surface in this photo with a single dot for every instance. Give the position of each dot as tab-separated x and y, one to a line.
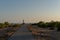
22	34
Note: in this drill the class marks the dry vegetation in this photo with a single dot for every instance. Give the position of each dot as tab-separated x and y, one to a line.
7	29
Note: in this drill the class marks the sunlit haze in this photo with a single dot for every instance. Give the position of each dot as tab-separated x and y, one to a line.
29	10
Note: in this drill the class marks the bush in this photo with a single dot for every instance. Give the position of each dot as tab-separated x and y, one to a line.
16	25
51	28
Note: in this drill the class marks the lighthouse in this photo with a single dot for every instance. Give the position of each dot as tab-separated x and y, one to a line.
23	22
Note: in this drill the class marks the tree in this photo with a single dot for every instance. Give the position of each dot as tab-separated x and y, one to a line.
42	24
51	25
6	24
58	26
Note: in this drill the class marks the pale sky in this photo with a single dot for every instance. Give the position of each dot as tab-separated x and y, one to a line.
29	10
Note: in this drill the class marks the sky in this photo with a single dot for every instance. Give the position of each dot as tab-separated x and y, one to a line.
14	11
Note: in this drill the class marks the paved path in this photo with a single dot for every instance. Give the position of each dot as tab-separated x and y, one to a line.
22	34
